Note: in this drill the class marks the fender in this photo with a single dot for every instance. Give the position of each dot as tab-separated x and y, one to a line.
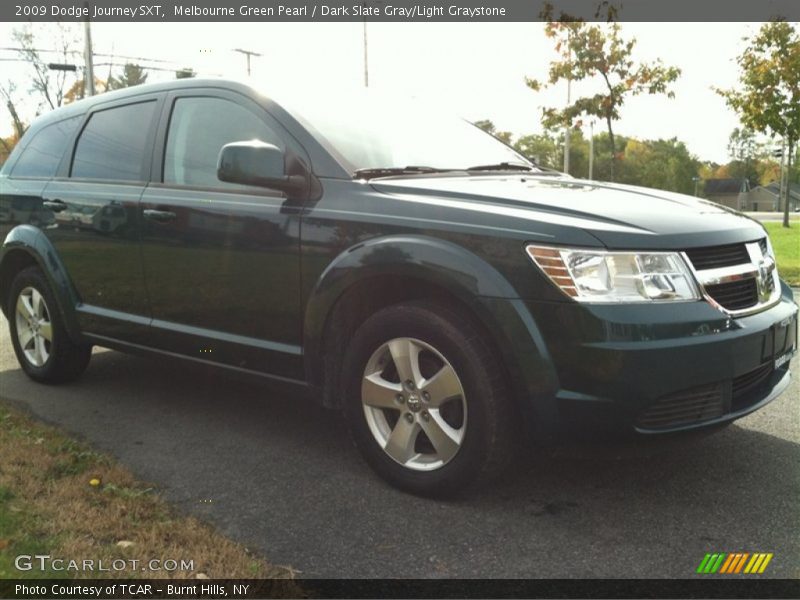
446	265
32	241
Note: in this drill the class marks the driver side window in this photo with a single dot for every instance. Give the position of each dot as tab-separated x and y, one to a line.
198	129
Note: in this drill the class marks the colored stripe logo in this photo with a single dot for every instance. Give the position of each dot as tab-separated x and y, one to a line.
734	563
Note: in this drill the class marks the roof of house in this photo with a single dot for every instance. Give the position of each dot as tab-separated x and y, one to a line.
774	189
726	186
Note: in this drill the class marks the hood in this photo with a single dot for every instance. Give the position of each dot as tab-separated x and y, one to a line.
619	216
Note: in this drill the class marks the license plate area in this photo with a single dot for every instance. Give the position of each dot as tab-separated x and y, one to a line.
784	341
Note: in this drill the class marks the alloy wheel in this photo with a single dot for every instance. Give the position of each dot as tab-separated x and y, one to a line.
414	404
34	328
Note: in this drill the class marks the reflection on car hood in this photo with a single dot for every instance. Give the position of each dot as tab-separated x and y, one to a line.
611	212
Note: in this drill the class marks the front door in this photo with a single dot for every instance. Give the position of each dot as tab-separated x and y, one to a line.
221	260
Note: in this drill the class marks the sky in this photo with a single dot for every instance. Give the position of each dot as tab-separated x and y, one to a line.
476	70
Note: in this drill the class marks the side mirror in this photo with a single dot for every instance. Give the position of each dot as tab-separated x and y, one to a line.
257	163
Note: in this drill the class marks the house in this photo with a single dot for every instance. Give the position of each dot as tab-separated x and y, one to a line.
731	192
766	198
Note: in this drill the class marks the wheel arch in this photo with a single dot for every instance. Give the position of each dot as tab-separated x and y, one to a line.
27	246
394	269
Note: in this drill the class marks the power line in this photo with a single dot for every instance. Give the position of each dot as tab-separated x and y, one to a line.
100	54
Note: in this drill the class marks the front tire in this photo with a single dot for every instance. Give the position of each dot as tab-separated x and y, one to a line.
426	400
43	348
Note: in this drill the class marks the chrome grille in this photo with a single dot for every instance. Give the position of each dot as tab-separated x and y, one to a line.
739	279
718	256
694	405
735	295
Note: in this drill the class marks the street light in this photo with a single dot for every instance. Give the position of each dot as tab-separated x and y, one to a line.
697	181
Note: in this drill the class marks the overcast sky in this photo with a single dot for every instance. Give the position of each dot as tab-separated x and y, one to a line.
477	69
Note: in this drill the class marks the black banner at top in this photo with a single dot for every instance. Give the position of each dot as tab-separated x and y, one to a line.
396	10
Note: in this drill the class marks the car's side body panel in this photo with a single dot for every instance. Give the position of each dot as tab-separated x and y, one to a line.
251	279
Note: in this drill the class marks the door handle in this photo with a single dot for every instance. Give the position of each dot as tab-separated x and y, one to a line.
55	205
159	216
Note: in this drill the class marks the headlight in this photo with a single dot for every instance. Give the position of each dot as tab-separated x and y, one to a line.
599	276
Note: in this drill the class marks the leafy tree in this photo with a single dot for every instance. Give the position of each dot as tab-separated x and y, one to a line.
542	148
488	127
768	96
547	150
78	89
660	164
744	150
7	145
599	51
132	74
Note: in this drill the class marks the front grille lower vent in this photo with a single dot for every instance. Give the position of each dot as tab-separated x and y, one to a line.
718	256
735	295
694	405
744	384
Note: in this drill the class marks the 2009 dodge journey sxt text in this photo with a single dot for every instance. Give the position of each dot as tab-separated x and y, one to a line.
401	265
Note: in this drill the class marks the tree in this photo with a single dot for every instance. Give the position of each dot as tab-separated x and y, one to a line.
78	89
768	96
488	127
546	150
599	51
132	74
8	96
743	148
541	148
49	84
660	164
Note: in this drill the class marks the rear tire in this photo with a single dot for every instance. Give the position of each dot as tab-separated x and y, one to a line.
43	348
426	400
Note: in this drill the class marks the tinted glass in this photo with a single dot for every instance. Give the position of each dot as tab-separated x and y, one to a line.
112	145
42	155
198	130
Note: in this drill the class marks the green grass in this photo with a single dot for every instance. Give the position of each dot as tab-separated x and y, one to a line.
19	535
786	243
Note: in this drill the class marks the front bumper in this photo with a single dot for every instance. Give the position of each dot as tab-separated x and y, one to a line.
666	367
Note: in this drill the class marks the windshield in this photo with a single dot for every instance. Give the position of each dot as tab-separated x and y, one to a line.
375	132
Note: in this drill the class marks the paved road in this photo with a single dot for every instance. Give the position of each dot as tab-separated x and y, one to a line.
282	477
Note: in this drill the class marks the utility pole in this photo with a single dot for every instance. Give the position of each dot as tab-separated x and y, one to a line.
783	196
366	56
569	99
88	76
248	54
591	149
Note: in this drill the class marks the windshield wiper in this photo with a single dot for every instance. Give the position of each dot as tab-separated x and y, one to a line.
389	171
502	166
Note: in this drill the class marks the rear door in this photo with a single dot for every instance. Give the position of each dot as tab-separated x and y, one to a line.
96	225
221	260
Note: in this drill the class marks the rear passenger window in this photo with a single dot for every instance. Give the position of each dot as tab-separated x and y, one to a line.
198	129
42	155
112	145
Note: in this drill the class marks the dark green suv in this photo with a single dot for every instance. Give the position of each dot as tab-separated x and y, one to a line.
401	265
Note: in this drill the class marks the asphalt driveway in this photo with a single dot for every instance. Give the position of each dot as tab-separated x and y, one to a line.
279	474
